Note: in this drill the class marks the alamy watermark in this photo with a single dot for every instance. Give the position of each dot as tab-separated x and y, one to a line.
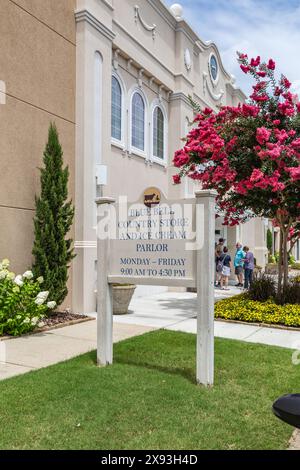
164	222
2	353
2	92
296	353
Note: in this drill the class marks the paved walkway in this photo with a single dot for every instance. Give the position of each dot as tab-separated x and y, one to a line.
32	352
177	311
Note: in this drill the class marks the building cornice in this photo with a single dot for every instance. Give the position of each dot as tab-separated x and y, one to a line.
106	3
164	12
236	92
183	27
86	16
153	56
180	96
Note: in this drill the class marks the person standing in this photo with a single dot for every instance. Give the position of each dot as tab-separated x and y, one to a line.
248	266
218	253
239	264
225	259
220	245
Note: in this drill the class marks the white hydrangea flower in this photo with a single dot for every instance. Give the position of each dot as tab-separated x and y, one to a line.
35	321
10	276
18	280
5	263
40	280
39	301
27	320
51	304
28	275
3	274
43	295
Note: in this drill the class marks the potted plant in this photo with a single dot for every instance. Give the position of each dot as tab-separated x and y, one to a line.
122	295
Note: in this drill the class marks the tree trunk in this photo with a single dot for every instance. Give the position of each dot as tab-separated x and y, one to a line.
280	262
285	258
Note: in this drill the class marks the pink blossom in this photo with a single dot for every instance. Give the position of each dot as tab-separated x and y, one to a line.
255	62
296	143
262	135
245	68
294	172
271	65
176	179
285	82
256	175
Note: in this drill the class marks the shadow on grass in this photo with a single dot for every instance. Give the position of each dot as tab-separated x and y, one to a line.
187	373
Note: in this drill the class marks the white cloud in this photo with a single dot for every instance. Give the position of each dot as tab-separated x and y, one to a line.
266	28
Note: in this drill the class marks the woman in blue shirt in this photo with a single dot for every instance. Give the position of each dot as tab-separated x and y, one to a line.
238	264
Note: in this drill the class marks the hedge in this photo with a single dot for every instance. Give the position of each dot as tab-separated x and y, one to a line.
243	309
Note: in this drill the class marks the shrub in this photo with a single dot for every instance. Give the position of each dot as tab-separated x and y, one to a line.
53	220
271	259
262	288
296	266
290	294
244	309
22	303
291	260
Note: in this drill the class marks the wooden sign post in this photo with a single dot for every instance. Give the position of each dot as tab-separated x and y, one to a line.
156	241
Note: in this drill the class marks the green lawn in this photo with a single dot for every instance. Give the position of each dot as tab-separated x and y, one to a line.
148	399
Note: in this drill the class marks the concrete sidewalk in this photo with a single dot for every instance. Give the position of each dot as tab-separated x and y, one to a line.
177	312
44	349
171	310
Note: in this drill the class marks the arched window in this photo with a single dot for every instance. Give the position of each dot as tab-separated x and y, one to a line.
138	122
158	134
116	110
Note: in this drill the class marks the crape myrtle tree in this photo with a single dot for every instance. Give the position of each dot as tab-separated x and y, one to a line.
250	154
54	215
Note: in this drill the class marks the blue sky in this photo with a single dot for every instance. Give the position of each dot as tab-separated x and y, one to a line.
270	28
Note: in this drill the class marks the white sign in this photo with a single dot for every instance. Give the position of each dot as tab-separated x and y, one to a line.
158	242
154	244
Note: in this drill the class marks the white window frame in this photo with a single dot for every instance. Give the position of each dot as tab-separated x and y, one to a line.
120	143
133	150
164	162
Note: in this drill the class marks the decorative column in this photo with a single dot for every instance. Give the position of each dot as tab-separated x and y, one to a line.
93	96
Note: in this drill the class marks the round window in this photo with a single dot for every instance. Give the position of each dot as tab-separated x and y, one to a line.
214	69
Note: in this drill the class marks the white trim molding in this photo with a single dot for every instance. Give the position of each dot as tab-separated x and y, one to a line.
215	97
121	143
86	16
158	104
85	244
147	27
180	96
131	149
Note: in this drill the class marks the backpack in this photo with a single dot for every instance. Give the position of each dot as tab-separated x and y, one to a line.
220	264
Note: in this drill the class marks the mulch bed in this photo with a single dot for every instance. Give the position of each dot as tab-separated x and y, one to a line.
55	320
59	318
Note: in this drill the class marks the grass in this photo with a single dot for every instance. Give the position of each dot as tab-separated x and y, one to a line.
148	399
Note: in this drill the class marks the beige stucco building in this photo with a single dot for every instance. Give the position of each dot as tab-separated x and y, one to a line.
115	76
